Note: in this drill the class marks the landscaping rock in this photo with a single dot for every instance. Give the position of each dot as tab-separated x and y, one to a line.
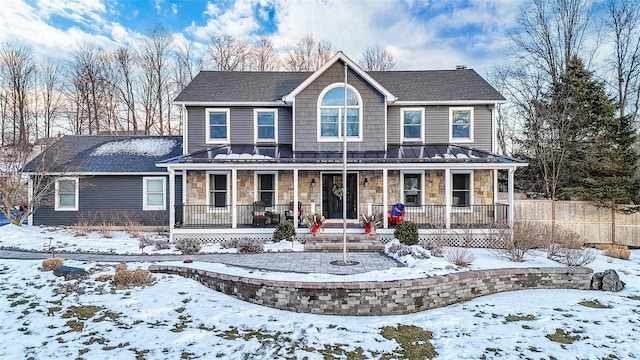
607	281
70	272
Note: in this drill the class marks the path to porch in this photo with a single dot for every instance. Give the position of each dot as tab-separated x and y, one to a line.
299	262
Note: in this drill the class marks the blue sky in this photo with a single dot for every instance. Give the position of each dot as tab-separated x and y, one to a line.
420	34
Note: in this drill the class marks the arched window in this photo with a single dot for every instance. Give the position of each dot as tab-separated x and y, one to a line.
331	113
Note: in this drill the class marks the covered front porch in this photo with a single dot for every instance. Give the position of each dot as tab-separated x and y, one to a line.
233	196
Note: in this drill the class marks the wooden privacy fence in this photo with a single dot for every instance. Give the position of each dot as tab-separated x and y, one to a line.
596	225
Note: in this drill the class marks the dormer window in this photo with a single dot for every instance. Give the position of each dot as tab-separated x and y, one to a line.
413	124
461	124
217	126
331	108
266	125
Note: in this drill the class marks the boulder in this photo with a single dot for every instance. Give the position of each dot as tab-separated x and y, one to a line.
607	281
70	272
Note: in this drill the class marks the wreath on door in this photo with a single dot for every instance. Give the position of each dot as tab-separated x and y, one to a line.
337	191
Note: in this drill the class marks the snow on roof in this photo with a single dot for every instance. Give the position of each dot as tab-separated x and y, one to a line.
141	147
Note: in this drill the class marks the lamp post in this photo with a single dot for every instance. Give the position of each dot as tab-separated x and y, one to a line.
344	172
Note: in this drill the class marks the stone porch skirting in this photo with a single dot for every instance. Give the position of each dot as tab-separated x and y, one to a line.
384	297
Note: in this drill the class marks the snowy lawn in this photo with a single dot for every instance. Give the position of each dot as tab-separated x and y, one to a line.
46	317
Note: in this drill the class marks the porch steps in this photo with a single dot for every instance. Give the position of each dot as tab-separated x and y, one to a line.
334	242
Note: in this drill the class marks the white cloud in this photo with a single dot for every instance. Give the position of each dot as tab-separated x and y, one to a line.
174	8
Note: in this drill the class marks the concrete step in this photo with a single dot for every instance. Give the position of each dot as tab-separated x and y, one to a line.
334	243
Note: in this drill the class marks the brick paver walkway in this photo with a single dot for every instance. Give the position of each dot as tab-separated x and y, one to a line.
301	262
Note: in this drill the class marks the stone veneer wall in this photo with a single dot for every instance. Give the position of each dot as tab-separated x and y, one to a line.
384	297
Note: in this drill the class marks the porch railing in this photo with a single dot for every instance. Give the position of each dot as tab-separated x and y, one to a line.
434	216
248	215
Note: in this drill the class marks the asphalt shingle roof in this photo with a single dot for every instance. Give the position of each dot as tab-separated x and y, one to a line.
80	154
427	85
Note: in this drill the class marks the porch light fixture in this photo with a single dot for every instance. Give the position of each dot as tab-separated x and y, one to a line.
313	182
366	182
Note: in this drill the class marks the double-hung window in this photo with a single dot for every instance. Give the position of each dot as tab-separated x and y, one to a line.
218	190
462	186
461	124
412	189
266	125
267	188
66	194
412	124
153	193
331	113
217	126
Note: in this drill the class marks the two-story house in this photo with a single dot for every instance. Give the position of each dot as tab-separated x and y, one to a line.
255	143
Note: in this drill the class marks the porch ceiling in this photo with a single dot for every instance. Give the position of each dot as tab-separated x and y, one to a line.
405	154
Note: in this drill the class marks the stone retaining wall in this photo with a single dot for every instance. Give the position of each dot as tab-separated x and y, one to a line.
384	297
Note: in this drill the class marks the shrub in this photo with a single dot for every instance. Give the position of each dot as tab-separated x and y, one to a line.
284	231
460	256
568	248
246	245
407	233
50	264
230	244
128	278
162	244
615	251
526	236
104	278
106	230
188	246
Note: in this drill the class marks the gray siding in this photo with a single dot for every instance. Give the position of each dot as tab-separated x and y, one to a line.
241	129
437	126
108	198
306	111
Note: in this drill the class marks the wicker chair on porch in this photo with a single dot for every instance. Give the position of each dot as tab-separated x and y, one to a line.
259	214
289	213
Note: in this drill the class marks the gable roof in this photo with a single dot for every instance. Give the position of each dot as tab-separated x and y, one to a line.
269	88
340	56
106	154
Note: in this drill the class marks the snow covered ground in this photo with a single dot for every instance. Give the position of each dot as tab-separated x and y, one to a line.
46	317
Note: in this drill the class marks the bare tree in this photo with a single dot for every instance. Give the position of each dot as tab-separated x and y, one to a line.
17	74
377	58
623	24
154	56
263	56
51	94
126	61
88	82
227	53
308	54
187	63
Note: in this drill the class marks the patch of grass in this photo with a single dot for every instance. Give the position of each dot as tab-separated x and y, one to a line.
108	315
634	297
179	327
231	334
19	302
140	353
595	304
186	301
414	341
562	337
527	327
207	328
76	326
83	312
180	310
186	355
533	349
13	296
83	351
514	318
119	346
94	340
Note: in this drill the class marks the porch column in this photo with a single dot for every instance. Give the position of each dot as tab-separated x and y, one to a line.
385	200
234	199
172	200
295	199
447	198
30	199
510	198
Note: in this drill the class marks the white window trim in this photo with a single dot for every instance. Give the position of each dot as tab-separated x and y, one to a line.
338	138
145	206
420	208
275	185
208	139
466	209
422	125
471	125
275	125
211	207
57	206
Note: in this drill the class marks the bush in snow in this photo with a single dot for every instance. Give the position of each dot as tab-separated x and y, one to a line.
407	233
246	245
284	231
568	248
50	264
162	244
434	246
188	246
128	278
524	237
398	250
460	256
230	244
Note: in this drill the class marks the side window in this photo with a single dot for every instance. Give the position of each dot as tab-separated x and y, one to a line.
217	126
153	193
461	124
461	189
266	125
218	190
267	188
412	189
66	194
412	124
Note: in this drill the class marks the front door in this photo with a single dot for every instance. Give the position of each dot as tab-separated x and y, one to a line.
332	196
